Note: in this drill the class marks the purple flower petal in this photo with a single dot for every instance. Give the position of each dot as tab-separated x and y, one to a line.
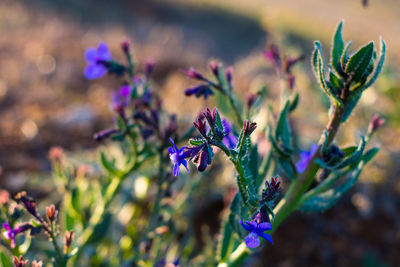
252	240
102	51
94	71
245	226
264	227
266	237
176	169
91	55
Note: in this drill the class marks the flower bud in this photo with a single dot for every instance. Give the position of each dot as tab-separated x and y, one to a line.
99	136
69	237
248	128
19	262
28	202
376	122
149	67
194	74
214	67
229	75
51	213
125	45
56	154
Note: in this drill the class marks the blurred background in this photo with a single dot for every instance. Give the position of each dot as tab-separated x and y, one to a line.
45	100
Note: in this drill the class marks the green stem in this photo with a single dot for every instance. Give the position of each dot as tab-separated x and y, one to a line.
298	187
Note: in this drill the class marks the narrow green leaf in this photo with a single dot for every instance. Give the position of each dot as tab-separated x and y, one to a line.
345	56
282	131
109	166
225	244
354	157
196	141
351	104
337	49
336	83
318	67
359	62
5	260
295	101
378	68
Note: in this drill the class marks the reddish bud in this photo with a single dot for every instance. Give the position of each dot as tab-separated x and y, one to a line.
214	66
126	45
19	262
248	127
69	237
376	122
229	75
51	213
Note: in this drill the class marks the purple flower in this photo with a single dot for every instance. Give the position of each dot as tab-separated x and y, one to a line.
177	157
12	233
199	90
305	157
121	99
256	230
94	57
230	139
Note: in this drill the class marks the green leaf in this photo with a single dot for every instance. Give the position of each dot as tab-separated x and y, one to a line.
225	243
281	152
254	161
351	104
345	56
337	49
348	150
109	166
295	101
5	260
100	230
358	63
369	155
282	131
378	68
218	122
196	141
355	157
318	67
336	83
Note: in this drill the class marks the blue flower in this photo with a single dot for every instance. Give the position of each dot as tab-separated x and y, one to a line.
177	157
94	57
256	230
230	139
305	157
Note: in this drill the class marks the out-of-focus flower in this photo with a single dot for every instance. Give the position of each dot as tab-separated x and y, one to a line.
28	202
37	263
4	197
94	57
199	90
69	237
214	67
194	74
99	136
149	67
122	97
56	154
228	75
19	261
305	157
51	213
230	139
376	122
256	230
12	233
177	157
273	55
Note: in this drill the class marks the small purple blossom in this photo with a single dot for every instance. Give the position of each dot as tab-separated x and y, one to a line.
199	90
12	233
256	230
305	157
95	69
177	157
230	139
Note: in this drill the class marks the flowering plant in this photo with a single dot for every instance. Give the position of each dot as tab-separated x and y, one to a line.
147	228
